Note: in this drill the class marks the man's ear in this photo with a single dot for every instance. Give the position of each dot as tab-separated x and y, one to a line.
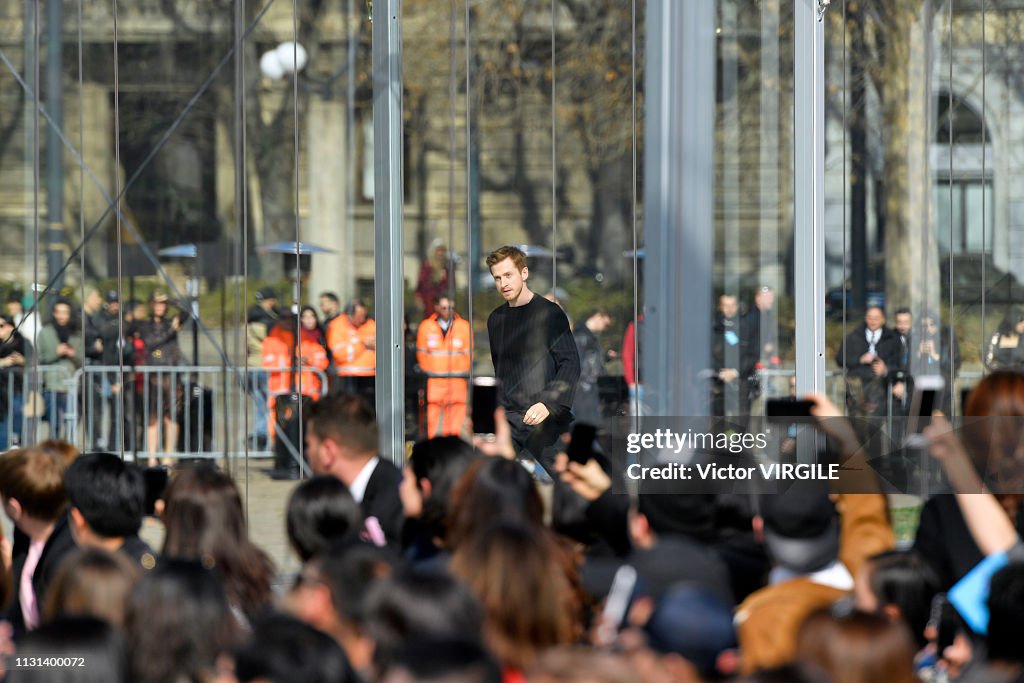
77	519
12	506
526	272
426	487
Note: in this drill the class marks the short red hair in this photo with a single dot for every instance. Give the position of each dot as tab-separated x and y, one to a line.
508	251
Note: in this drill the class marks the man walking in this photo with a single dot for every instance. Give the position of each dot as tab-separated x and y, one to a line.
535	360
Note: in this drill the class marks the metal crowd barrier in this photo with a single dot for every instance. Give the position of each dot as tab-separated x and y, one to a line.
207	405
174	411
33	395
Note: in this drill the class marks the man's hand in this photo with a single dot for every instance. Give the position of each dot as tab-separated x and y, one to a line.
589	481
879	367
176	323
867	359
536	414
728	375
898	390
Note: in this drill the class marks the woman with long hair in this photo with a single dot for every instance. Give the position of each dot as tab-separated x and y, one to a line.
492	491
528	593
205	521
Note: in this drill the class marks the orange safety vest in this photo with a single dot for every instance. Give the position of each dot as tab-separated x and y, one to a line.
353	348
440	353
276	356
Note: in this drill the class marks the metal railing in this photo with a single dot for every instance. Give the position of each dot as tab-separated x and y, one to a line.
203	408
176	411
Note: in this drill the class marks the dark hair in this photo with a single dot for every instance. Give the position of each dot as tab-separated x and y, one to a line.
902	310
92	582
904	579
411	604
857	648
330	296
452	660
319	510
669	512
178	623
109	492
346	419
491	491
1006	614
35	478
526	587
205	521
316	316
349	570
283	648
96	643
441	461
508	251
353	304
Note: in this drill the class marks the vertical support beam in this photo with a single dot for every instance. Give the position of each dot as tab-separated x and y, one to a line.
679	177
54	235
809	194
388	238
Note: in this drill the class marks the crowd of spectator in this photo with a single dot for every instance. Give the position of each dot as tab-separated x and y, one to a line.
457	568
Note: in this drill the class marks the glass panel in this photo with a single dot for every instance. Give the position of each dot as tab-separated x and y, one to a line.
752	332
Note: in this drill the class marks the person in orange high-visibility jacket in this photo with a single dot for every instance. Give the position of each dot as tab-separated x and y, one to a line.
352	340
277	359
444	346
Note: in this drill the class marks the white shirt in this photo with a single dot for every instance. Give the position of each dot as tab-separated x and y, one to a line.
835	575
872	338
358	487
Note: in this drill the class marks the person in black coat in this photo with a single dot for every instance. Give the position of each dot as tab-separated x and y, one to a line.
587	401
342	440
867	354
734	353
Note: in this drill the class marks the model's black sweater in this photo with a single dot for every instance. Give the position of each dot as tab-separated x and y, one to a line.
534	356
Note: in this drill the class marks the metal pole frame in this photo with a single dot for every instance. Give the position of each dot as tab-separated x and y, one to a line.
809	206
389	290
679	177
809	193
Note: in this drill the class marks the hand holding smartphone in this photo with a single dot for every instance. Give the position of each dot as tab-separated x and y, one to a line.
485	401
926	399
786	409
581	444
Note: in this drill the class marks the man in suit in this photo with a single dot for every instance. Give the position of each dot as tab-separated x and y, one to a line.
33	497
868	354
341	440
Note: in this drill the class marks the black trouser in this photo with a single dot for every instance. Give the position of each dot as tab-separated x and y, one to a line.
540	442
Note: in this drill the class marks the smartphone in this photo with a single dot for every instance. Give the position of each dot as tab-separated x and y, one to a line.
927	398
782	409
616	605
581	444
155	479
485	400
